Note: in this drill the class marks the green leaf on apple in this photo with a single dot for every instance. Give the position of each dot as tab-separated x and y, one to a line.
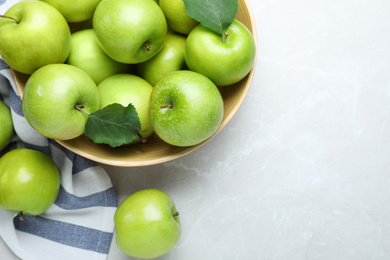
216	15
114	125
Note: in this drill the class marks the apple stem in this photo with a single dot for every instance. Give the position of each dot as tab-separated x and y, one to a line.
167	106
224	36
9	17
143	140
21	218
148	48
175	214
81	108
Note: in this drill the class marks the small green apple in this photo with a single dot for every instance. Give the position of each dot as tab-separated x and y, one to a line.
125	89
53	100
130	31
169	59
7	126
177	16
34	35
147	224
29	181
186	108
86	54
75	10
224	62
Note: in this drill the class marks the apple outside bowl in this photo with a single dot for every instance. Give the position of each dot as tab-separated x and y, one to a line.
156	151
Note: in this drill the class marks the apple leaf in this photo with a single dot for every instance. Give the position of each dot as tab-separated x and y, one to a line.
216	15
114	124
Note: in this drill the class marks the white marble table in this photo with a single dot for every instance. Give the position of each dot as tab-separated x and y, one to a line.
303	169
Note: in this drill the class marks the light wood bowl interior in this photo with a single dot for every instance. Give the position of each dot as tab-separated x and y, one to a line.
156	151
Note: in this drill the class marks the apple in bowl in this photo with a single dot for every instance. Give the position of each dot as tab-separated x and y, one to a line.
7	128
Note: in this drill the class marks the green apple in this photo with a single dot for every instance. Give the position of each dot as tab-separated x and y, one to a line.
224	62
75	10
186	108
125	89
169	59
56	100
147	224
86	54
130	31
7	126
34	34
177	16
29	181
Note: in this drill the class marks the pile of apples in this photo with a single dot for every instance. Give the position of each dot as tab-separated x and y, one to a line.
83	56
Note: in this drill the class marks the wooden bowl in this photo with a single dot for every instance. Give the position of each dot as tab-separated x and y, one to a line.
156	151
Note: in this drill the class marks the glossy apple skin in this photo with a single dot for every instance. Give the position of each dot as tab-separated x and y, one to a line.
86	54
50	96
123	27
7	126
125	89
42	37
29	181
145	225
75	10
169	59
225	63
177	16
197	108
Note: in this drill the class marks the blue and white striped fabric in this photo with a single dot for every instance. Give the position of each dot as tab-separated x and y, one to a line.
80	223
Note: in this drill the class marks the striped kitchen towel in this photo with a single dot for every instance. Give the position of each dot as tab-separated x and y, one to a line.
80	223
